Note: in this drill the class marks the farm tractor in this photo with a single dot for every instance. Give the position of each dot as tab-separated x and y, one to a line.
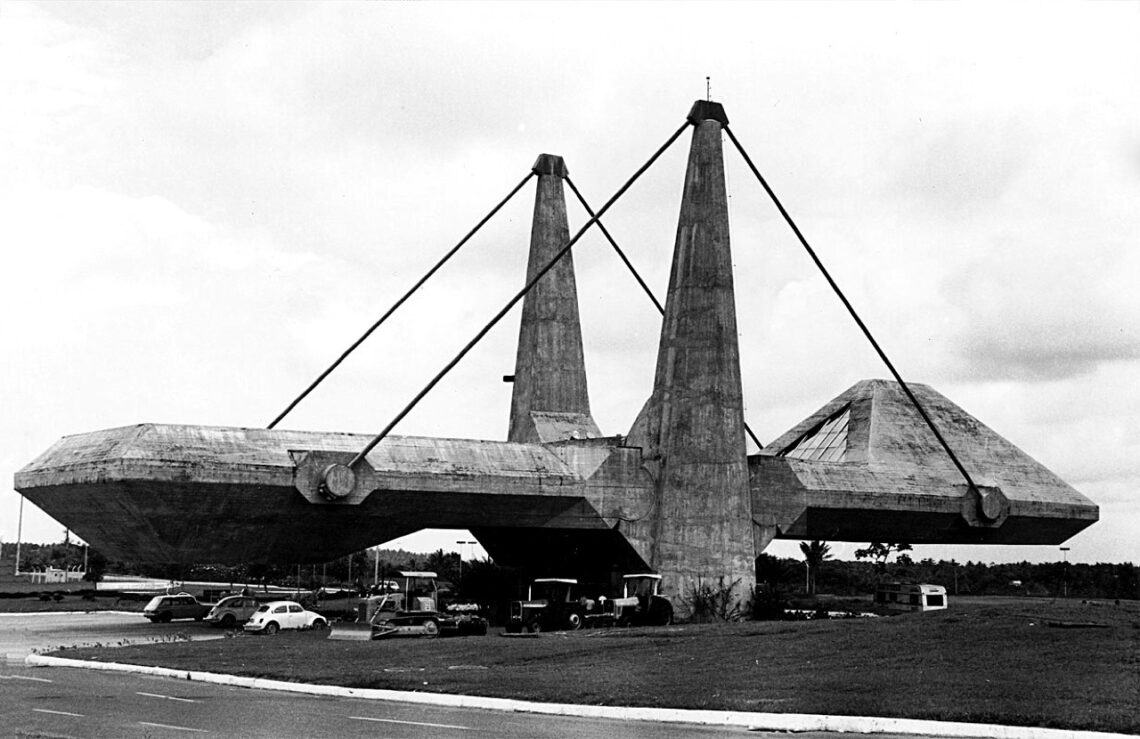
641	602
410	607
557	604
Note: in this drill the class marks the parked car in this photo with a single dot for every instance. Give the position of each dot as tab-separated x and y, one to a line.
283	614
233	610
169	607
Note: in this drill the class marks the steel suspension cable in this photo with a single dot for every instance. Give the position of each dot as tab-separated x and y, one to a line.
637	276
851	309
400	302
513	301
620	253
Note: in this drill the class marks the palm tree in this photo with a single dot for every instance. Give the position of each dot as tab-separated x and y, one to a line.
814	555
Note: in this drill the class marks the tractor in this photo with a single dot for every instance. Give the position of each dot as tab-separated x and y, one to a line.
641	602
552	604
410	608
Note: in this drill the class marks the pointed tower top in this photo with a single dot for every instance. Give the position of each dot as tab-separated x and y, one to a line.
707	110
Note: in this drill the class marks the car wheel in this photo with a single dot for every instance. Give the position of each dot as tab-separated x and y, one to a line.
431	628
228	621
272	627
534	626
166	617
320	624
574	622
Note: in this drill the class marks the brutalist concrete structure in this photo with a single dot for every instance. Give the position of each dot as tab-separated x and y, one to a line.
678	495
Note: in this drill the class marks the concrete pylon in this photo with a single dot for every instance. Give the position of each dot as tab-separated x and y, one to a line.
692	429
550	401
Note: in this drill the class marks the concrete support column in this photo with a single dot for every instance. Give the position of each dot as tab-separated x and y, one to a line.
550	399
692	429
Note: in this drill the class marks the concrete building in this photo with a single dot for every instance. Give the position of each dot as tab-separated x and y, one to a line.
678	495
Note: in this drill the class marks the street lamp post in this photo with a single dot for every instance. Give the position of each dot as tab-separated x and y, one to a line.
19	534
1065	571
461	543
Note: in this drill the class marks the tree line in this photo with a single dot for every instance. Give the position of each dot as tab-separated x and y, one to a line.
485	581
816	573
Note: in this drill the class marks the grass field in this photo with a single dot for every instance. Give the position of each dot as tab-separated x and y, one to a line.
984	660
70	603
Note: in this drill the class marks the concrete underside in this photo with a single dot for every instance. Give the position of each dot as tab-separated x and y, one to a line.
225	495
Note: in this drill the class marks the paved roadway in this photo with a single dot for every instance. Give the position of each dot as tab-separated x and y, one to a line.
69	702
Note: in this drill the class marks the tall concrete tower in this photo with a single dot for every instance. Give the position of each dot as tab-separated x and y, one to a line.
692	429
550	400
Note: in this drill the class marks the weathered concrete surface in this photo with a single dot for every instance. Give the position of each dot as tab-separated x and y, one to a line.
692	429
896	483
230	495
550	400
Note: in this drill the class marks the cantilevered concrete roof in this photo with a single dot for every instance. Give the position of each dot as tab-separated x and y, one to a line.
866	467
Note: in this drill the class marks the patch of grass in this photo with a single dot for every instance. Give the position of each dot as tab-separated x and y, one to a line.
985	660
70	602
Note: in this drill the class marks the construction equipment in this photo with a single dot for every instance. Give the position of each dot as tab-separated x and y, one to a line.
411	608
641	602
552	604
558	604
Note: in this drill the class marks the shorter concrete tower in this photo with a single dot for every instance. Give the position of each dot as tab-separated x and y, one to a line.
550	400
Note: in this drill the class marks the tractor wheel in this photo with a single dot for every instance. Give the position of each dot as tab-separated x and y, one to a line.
534	626
272	628
574	621
431	628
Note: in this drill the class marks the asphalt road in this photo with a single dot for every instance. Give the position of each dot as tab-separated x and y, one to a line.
68	702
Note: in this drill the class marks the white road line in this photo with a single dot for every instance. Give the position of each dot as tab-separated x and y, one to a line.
25	677
58	713
411	723
176	728
167	697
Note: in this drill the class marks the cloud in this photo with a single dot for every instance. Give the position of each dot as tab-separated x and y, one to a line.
962	164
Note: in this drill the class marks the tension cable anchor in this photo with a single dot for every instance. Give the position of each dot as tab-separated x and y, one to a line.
985	506
337	481
329	478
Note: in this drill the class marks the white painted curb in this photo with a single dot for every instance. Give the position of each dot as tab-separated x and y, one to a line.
797	722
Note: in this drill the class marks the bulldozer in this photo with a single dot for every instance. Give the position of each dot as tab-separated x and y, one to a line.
409	607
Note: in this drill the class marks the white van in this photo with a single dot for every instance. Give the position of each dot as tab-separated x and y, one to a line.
903	596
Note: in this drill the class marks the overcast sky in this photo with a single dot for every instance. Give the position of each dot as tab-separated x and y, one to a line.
202	204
